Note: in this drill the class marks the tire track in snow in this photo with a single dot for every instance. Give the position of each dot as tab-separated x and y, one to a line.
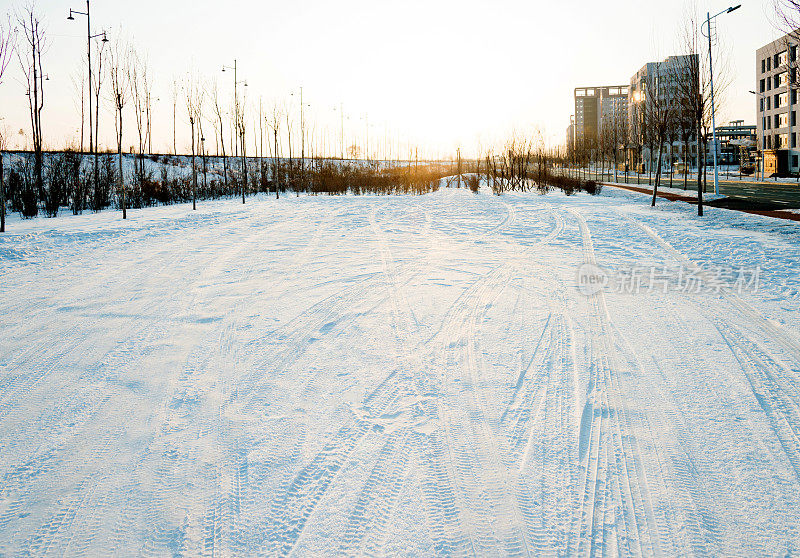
604	428
773	384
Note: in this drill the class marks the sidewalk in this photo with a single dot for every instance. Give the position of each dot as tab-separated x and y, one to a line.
693	200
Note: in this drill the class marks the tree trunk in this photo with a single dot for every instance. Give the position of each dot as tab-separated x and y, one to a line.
120	181
194	171
2	198
658	176
275	166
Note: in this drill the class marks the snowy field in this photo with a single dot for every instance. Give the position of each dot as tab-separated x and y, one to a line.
450	374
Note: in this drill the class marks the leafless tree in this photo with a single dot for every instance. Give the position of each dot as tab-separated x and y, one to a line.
787	17
241	130
693	86
97	84
79	84
192	96
7	47
30	60
659	106
176	90
119	65
218	112
139	81
275	124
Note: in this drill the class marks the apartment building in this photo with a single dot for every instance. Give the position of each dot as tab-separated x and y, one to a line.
595	110
662	80
776	75
571	134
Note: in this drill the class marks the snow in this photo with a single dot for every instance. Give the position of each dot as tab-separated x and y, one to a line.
398	376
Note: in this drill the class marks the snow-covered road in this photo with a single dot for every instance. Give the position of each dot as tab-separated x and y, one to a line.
401	376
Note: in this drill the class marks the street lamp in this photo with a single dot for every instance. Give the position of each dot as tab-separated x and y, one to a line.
89	38
236	83
709	19
758	146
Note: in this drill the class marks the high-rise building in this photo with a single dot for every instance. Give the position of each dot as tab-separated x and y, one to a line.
776	105
571	135
664	81
595	109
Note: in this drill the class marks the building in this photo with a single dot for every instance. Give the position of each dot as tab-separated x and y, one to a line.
664	81
777	106
595	110
736	141
571	136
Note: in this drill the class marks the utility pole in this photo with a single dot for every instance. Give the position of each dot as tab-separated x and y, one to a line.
709	18
89	37
341	114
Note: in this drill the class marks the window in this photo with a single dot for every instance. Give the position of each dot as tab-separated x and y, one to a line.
793	74
782	140
794	160
781	79
794	140
775	60
794	118
793	53
763	122
763	66
769	142
769	63
769	103
782	58
794	96
764	142
783	120
761	104
777	101
762	86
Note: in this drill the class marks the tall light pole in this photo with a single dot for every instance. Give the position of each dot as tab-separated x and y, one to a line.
760	160
89	37
709	19
236	83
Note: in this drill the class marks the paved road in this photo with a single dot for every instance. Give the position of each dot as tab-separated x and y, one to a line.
742	195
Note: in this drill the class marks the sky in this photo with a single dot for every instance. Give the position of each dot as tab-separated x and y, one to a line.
437	74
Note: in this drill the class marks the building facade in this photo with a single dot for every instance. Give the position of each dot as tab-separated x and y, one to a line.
736	142
776	105
571	136
654	87
596	109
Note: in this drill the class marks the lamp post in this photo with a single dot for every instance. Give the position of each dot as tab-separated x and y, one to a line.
236	83
709	19
760	159
89	37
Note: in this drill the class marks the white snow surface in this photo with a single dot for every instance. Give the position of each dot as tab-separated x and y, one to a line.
396	376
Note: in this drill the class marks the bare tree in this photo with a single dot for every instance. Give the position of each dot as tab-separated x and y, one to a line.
275	124
79	84
241	129
139	81
119	64
30	60
7	47
192	95
787	17
176	90
693	88
217	108
659	106
97	83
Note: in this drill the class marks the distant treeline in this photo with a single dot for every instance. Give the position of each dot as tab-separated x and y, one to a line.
71	183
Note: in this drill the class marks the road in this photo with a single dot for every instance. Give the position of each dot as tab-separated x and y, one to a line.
742	194
420	375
